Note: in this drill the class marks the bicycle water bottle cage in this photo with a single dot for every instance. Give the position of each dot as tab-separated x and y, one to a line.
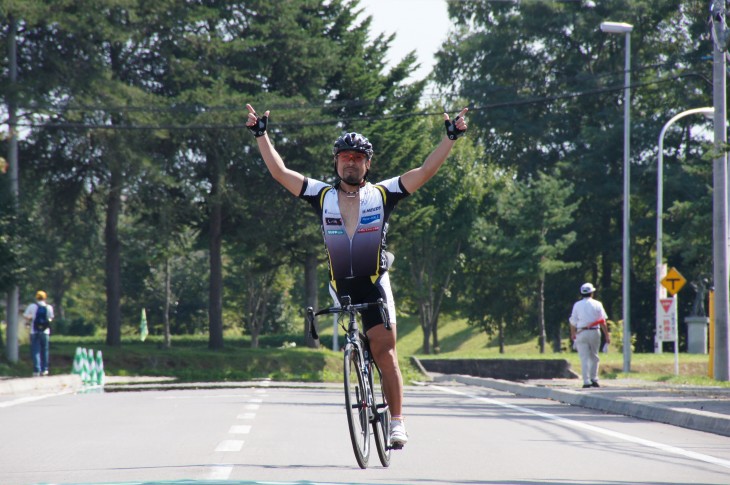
452	131
259	129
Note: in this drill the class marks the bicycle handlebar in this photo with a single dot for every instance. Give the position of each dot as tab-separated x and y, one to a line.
347	307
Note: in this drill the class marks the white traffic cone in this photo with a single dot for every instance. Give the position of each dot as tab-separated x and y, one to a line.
76	368
92	367
84	366
100	376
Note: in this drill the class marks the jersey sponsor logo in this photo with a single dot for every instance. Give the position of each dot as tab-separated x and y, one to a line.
373	209
368	229
335	232
369	219
333	221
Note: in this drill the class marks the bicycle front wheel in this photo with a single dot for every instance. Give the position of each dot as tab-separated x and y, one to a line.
356	406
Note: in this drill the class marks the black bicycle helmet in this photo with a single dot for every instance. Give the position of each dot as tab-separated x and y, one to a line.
354	142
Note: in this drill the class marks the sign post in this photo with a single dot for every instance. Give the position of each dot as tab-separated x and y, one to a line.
667	329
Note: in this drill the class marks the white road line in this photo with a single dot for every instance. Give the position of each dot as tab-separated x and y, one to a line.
595	429
211	396
219	472
23	400
229	445
251	407
259	401
240	429
246	416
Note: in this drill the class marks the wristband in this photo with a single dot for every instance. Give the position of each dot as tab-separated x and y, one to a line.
452	131
259	129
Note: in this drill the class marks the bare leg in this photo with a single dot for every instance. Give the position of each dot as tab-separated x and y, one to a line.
382	345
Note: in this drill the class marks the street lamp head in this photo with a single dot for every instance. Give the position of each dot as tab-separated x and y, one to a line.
616	27
708	112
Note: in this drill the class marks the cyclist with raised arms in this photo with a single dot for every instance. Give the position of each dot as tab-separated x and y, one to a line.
354	217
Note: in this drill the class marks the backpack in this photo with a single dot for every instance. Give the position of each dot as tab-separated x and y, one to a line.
40	322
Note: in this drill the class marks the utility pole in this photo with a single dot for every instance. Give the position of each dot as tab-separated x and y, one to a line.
13	295
720	37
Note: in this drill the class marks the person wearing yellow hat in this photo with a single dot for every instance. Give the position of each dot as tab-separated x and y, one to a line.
38	316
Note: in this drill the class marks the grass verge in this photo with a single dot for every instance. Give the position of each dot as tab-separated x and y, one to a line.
190	360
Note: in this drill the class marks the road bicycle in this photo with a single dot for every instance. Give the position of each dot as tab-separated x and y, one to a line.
365	401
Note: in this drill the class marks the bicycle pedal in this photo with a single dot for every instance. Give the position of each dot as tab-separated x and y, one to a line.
396	446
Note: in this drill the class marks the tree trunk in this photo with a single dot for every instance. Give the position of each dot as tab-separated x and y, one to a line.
437	300
259	291
58	288
541	313
557	340
310	294
606	268
215	288
166	317
425	312
113	258
435	332
501	337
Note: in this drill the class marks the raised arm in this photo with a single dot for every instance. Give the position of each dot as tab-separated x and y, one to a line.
290	179
414	179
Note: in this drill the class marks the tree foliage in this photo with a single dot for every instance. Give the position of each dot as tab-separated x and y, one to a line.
141	188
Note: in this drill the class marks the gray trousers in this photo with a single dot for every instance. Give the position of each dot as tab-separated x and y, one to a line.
588	343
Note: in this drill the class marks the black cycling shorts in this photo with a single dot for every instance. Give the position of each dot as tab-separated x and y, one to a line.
363	290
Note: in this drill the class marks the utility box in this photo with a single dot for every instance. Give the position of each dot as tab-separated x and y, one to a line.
697	334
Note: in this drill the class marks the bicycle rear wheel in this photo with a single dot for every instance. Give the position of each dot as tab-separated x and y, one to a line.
356	406
381	423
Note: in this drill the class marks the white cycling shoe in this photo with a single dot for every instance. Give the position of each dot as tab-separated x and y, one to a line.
398	435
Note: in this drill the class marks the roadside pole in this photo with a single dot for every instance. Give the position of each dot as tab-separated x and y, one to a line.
13	296
719	189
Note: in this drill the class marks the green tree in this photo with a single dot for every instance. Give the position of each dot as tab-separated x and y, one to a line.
565	111
435	225
534	215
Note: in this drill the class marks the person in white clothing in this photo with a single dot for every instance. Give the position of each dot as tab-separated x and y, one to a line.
587	321
38	316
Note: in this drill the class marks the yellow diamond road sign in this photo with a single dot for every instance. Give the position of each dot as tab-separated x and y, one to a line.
673	281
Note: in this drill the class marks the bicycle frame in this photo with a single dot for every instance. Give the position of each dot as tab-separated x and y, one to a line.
365	399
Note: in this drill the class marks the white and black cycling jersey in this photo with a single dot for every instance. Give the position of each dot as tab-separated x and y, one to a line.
364	253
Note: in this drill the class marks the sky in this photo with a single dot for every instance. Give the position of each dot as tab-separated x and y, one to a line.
420	25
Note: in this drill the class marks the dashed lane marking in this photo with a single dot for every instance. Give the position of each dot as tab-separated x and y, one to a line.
229	445
219	472
240	429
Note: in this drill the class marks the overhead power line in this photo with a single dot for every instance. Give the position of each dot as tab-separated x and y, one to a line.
383	117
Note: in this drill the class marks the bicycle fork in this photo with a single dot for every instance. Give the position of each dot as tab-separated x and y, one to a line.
366	401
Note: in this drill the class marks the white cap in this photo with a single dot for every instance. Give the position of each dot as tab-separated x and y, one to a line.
587	289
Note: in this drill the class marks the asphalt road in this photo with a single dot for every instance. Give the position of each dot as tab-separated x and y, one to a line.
459	435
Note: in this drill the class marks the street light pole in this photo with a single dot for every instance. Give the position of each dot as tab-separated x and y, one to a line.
623	28
721	269
660	207
13	296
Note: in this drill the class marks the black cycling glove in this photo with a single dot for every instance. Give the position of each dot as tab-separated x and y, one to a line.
259	129
452	131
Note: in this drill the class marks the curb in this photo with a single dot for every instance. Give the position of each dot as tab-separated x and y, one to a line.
66	382
686	418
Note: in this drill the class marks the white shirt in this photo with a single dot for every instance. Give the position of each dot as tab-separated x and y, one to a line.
586	312
33	308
